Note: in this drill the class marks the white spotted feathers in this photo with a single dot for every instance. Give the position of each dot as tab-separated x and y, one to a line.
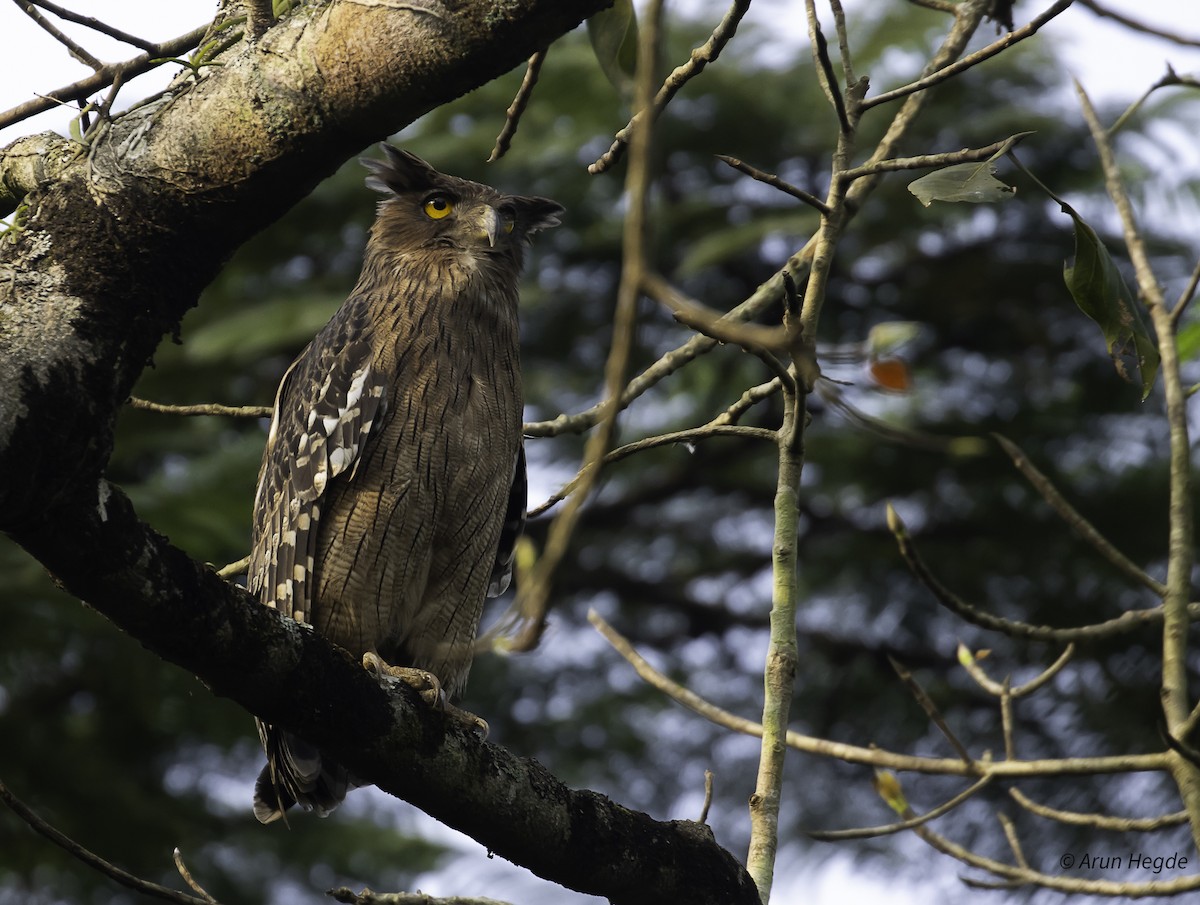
330	425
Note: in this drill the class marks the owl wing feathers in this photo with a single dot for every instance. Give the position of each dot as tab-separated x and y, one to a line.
512	529
327	404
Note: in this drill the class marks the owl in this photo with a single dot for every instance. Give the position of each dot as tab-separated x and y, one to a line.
392	489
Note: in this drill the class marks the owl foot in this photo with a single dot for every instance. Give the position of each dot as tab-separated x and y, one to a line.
425	684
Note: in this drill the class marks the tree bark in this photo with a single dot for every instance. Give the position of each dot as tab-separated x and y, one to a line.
116	244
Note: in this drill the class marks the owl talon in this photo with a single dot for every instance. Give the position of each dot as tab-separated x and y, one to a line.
421	681
425	684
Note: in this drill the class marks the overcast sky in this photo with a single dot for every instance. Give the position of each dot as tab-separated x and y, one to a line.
1108	60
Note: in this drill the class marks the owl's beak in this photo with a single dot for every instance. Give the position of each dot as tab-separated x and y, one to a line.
487	226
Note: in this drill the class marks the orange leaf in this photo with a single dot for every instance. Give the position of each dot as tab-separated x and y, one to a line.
890	374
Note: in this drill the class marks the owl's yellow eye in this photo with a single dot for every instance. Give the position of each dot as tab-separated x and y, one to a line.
438	207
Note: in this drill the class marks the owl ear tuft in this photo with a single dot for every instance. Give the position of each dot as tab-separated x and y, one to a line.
403	171
537	213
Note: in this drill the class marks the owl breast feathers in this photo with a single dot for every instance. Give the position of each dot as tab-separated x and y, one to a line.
392	488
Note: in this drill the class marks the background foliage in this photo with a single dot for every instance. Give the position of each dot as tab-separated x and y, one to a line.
132	757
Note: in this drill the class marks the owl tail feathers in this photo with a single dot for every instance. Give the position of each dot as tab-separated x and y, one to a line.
296	773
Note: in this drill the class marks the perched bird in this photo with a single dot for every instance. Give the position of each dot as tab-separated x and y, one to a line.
392	488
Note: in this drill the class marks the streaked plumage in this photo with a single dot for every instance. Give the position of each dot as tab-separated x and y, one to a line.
392	489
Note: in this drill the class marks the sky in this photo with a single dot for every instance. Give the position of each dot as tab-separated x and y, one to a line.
1110	63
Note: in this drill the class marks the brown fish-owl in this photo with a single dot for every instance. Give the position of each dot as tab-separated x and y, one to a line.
392	488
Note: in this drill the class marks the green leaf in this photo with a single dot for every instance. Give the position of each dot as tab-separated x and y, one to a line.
973	182
1188	341
1101	294
889	337
614	37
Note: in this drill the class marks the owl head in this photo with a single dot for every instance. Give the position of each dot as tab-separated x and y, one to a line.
426	210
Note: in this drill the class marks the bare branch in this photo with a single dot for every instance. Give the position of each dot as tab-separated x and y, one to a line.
1181	553
713	323
824	66
974	59
1136	25
204	408
1049	881
708	796
1099	821
95	25
1072	517
930	708
1014	843
189	880
1126	622
749	398
535	594
871	832
971	664
875	757
941	6
689	436
1185	297
73	848
74	49
104	77
775	182
512	116
701	57
926	161
368	897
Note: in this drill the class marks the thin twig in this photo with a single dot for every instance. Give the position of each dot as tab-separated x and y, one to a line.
77	91
710	322
1126	622
688	436
1099	821
73	848
189	880
1050	881
535	595
824	66
1136	25
974	59
930	708
1006	720
775	182
700	57
927	161
843	35
763	298
369	897
1074	518
1185	297
74	49
941	6
708	796
971	664
204	408
1014	843
1181	553
512	116
748	399
871	832
875	757
235	568
95	25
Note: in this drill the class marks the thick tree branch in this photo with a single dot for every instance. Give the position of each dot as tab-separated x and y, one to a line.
295	678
